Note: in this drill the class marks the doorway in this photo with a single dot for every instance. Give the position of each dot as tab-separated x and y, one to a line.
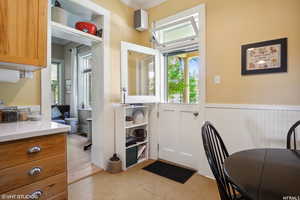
71	102
102	116
181	40
179	121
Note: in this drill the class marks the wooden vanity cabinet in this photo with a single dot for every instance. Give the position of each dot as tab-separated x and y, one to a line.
34	166
23	32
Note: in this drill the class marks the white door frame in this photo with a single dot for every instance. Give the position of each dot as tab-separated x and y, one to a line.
201	9
102	114
125	48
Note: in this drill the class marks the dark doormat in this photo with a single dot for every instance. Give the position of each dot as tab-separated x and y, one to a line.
172	172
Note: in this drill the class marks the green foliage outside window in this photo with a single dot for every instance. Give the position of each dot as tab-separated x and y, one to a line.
176	82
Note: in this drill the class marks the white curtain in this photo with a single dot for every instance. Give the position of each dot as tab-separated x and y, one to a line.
71	97
74	98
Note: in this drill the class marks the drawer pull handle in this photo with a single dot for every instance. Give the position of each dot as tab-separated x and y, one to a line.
35	149
36	195
35	171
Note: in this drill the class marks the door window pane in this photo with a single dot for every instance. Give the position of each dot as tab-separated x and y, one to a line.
183	78
141	74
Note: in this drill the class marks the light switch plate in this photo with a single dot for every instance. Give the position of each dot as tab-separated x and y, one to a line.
217	79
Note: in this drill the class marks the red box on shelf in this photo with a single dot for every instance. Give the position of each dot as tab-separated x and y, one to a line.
86	27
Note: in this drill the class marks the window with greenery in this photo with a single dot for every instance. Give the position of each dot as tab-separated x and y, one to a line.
183	78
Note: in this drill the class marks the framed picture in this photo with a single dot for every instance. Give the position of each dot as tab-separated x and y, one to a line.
265	57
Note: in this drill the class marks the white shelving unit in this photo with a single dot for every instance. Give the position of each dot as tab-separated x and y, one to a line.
140	149
71	34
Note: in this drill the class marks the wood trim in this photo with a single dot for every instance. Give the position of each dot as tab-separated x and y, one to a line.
42	33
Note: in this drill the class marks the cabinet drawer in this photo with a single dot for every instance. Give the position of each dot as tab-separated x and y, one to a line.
50	188
15	177
27	150
61	196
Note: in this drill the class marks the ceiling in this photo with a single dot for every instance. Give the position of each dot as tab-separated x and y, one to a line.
145	4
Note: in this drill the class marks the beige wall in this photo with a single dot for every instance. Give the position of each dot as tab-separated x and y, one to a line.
25	92
58	51
28	92
121	30
232	23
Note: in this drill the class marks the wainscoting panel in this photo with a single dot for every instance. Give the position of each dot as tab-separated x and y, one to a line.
252	126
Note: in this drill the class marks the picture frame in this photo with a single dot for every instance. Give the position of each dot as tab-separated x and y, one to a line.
264	57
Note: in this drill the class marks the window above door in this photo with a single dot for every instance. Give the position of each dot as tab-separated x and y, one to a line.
176	33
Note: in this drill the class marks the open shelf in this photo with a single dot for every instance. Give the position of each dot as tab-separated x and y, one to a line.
71	34
140	151
137	144
135	107
137	125
80	8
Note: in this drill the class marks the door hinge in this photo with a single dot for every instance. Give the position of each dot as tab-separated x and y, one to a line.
157	114
157	147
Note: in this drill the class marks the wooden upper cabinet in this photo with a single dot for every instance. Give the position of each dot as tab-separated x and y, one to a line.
23	32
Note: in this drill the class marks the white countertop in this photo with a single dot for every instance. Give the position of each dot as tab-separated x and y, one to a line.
21	130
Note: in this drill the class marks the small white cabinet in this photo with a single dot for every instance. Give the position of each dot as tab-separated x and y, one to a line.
130	122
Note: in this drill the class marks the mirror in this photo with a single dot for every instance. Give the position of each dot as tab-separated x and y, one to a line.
141	74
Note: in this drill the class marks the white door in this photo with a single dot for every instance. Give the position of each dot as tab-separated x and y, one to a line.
179	133
139	74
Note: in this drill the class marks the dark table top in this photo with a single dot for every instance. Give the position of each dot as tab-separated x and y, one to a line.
265	174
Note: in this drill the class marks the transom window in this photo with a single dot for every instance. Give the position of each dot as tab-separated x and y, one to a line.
178	33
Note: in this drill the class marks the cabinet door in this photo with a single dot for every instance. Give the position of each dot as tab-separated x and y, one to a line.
23	32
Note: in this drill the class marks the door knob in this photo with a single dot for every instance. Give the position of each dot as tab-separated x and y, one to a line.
196	114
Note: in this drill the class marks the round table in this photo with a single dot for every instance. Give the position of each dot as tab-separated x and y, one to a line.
265	174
